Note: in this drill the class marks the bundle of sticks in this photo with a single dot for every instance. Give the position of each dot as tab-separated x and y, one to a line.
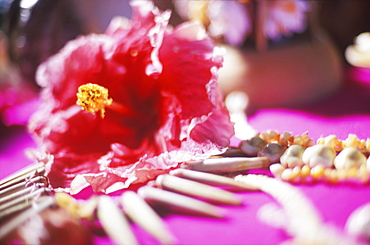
32	212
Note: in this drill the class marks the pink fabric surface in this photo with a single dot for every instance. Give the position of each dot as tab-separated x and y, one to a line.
347	111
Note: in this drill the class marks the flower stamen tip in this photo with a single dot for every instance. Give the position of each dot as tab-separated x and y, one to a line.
93	98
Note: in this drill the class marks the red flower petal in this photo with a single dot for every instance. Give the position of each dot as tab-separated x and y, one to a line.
166	79
187	59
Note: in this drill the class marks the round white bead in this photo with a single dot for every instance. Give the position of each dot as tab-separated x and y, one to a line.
292	157
348	158
319	155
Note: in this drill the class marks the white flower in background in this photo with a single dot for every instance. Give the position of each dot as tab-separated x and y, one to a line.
230	19
236	20
285	17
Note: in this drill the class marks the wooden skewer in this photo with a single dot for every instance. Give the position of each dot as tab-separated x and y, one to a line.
21	185
180	202
23	201
142	214
41	204
212	179
228	164
13	189
21	175
114	222
19	194
195	189
19	190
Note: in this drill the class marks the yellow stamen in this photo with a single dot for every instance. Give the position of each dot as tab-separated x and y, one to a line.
93	98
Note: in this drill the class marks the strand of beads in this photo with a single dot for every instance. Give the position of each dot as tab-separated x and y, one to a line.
271	144
297	159
331	160
351	141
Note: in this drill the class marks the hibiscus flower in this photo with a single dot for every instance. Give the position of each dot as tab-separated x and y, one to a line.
158	103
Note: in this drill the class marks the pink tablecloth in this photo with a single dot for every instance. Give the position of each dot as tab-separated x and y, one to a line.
347	111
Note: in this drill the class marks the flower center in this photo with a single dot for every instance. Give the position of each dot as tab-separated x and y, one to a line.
93	98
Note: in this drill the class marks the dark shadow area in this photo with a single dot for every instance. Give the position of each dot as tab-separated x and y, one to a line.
353	97
9	132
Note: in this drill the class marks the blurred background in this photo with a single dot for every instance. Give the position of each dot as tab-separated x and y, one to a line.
33	30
